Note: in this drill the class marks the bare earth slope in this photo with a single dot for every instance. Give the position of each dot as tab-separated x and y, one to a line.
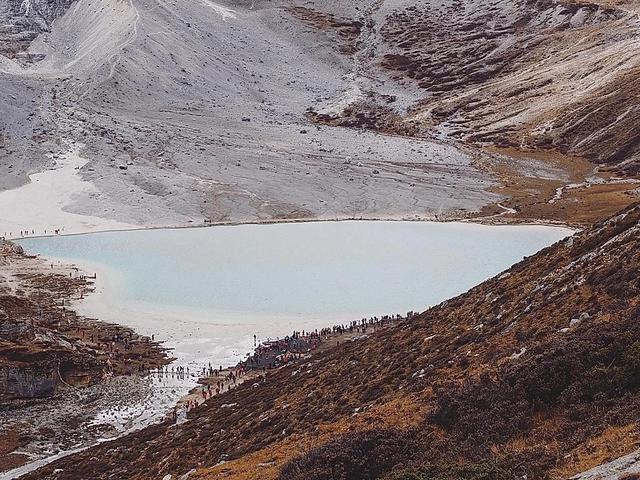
192	111
189	112
534	372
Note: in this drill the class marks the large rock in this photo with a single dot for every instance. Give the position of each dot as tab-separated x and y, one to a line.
11	330
21	382
23	20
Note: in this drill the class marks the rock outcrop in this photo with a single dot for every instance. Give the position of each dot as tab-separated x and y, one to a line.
36	361
45	346
34	381
21	21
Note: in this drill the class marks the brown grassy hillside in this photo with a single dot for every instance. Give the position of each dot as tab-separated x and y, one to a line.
535	372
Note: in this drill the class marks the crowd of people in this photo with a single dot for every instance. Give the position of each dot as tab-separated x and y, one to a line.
214	382
271	354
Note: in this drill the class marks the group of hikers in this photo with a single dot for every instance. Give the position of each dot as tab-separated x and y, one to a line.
224	379
120	340
272	354
266	355
80	276
26	233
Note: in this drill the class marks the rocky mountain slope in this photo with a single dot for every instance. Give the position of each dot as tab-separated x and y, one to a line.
23	20
193	111
533	373
187	112
530	74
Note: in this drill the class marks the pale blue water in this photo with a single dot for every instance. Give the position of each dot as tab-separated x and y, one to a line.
319	269
206	292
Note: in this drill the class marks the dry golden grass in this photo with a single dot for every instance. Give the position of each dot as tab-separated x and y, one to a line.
265	464
614	442
530	195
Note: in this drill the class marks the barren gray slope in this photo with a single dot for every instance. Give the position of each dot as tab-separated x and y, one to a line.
205	105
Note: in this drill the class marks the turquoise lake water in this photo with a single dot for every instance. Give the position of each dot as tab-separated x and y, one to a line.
319	268
207	291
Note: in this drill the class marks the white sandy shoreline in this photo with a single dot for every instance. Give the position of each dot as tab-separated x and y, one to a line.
485	221
154	320
43	207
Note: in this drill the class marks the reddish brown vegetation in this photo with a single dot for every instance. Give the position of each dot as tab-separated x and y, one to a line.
501	391
347	30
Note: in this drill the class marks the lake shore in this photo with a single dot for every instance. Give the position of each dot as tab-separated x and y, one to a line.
475	218
167	317
60	370
122	400
169	389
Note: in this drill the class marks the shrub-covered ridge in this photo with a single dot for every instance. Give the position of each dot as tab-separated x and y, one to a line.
534	372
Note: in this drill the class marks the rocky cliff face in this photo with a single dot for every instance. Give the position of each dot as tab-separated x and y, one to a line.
34	381
36	361
21	21
544	74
